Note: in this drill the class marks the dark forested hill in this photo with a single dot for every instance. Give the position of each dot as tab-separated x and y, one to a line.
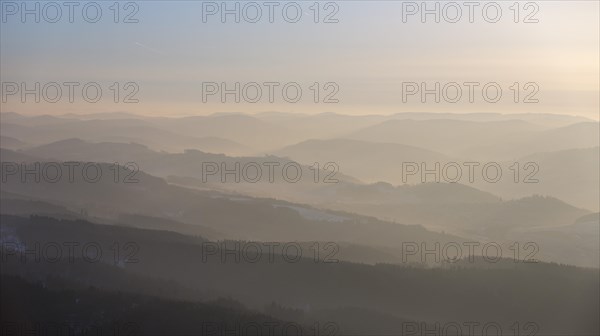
559	299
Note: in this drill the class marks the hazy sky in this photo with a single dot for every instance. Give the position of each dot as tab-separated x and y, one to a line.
368	54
